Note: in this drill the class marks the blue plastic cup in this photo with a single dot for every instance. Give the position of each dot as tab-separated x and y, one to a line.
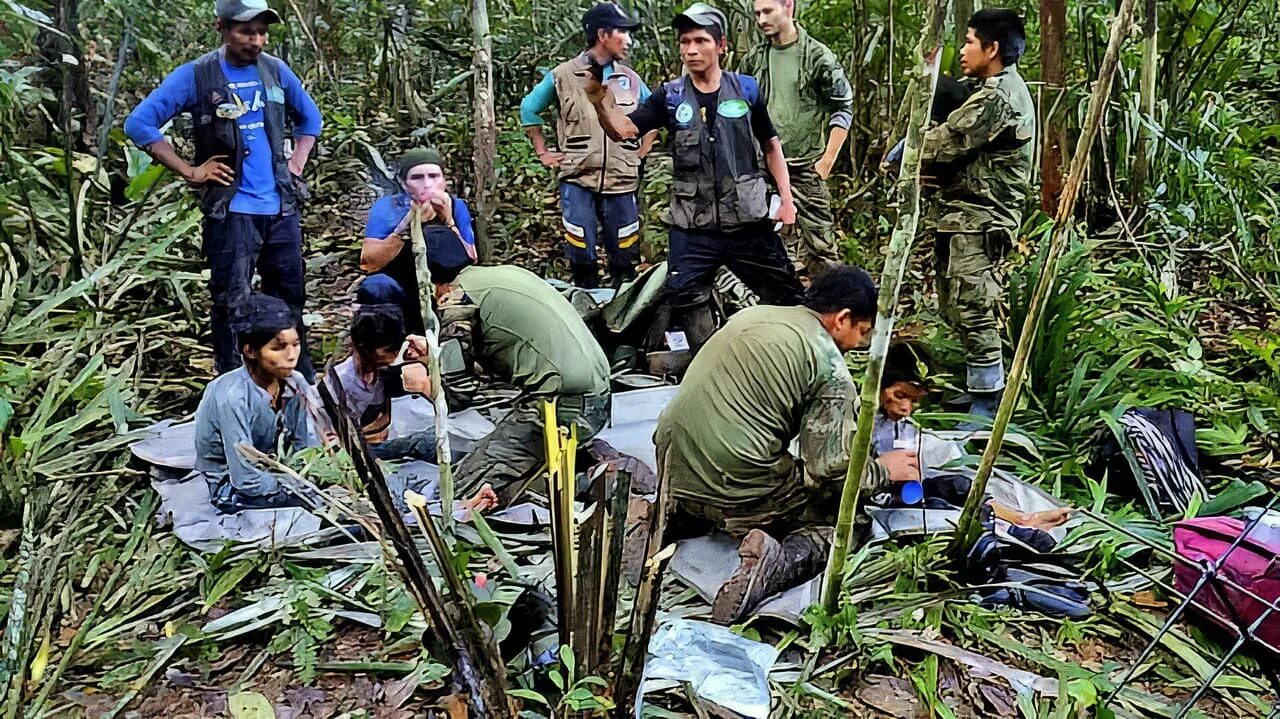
910	492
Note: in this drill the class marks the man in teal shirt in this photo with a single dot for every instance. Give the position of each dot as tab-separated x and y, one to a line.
598	176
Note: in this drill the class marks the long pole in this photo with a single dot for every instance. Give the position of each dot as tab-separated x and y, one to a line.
968	527
438	404
904	232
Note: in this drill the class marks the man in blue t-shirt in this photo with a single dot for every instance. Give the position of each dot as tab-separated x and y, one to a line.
387	248
241	99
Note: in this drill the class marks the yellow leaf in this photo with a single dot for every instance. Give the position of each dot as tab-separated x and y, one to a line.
41	660
250	705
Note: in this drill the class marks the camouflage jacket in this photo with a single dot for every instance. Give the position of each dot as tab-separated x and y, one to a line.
805	97
988	142
771	375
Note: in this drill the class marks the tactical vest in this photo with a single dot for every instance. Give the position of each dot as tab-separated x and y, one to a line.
591	159
717	184
216	135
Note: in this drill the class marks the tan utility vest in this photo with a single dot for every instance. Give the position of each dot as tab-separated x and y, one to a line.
591	159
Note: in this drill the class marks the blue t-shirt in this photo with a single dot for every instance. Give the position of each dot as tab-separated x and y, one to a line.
257	192
387	212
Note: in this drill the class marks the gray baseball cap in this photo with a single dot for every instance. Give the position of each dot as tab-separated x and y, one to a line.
245	10
703	15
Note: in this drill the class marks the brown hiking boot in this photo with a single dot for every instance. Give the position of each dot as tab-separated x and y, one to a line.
757	577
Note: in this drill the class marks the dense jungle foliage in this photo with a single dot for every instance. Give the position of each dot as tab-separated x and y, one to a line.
1168	297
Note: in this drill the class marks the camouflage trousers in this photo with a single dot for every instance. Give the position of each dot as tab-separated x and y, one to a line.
516	449
792	509
811	242
969	293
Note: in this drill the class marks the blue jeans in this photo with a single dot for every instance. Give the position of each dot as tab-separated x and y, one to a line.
237	245
586	214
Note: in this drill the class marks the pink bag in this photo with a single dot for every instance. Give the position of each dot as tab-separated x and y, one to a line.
1253	565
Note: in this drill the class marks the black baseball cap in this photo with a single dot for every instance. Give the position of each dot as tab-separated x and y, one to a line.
245	10
607	15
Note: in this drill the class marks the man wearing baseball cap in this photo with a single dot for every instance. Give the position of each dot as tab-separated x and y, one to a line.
241	101
598	175
720	208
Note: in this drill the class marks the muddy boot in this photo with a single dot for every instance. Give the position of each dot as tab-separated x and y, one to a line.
585	275
768	567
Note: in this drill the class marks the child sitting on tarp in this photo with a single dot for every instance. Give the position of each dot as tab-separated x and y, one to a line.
264	403
374	374
902	386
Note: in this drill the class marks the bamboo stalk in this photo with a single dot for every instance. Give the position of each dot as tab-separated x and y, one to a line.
1146	99
926	78
968	527
439	405
477	666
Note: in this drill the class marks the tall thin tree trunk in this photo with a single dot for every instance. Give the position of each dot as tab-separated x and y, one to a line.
1053	43
929	52
968	527
964	10
485	148
1146	99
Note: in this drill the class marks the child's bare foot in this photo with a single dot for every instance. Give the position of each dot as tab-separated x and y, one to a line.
483	500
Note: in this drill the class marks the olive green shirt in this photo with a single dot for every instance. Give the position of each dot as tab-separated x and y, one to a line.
770	375
806	92
523	331
990	140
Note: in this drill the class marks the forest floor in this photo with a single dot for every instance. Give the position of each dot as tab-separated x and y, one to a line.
146	651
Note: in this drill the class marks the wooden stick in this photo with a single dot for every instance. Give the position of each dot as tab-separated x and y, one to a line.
439	405
478	667
967	528
929	51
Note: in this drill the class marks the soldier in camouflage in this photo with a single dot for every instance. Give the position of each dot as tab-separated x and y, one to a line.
811	102
984	149
505	325
770	375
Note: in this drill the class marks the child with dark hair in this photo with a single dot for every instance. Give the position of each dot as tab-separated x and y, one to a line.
373	375
902	386
263	403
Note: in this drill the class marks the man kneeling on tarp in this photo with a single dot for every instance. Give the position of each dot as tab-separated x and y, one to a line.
519	331
772	374
264	403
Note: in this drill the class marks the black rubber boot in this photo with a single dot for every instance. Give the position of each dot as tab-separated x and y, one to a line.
621	274
585	275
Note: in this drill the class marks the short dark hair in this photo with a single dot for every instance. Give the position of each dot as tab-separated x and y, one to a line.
843	287
1002	26
684	25
901	364
259	318
376	327
592	34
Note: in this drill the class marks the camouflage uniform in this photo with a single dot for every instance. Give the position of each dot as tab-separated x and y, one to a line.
521	331
985	147
769	375
807	92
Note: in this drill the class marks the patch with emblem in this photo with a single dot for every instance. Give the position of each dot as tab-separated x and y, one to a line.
684	113
624	82
733	109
